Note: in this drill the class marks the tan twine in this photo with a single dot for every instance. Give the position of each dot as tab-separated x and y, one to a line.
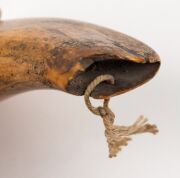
117	136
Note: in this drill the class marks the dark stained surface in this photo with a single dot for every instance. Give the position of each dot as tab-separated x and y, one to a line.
128	75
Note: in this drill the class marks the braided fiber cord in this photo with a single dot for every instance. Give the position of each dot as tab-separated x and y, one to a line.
117	136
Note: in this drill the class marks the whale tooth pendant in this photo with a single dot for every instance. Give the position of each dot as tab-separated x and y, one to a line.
77	58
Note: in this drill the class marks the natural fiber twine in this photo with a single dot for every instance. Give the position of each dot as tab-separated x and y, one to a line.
117	136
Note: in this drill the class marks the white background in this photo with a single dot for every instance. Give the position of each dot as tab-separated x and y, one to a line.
51	134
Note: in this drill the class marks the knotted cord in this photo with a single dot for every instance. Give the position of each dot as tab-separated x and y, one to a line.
117	136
